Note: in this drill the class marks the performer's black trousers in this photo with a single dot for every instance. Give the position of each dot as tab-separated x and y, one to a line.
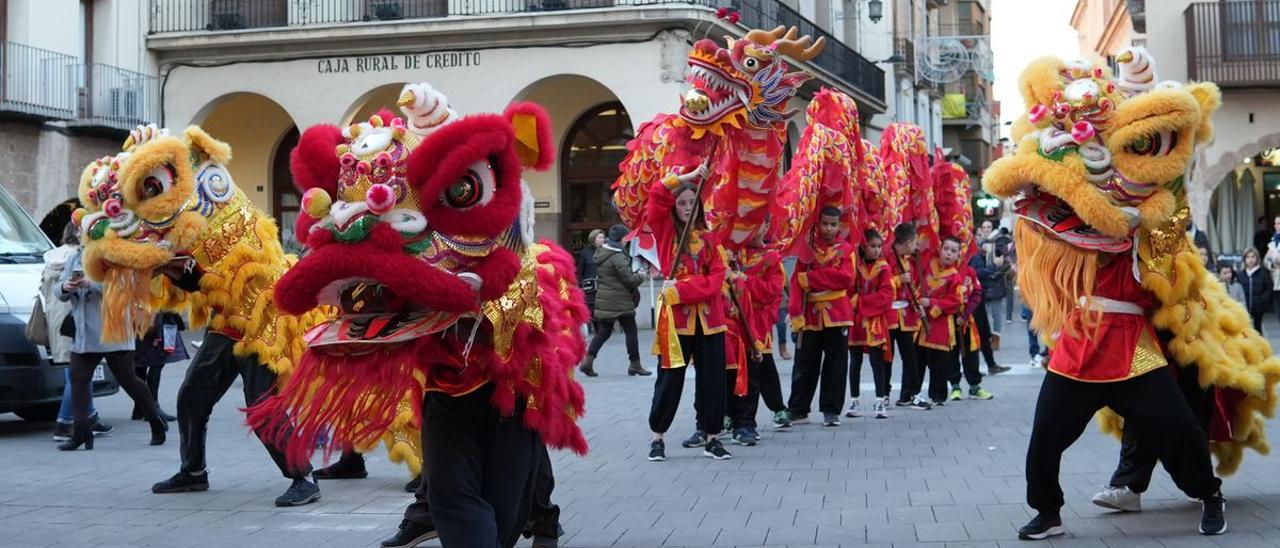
479	470
1137	457
1153	408
742	409
211	373
770	385
984	334
969	360
544	516
881	370
707	354
823	355
906	343
937	363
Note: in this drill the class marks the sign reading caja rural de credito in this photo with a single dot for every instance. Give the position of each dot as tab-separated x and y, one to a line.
409	61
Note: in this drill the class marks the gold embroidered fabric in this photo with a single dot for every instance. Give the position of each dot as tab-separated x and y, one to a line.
1147	356
518	305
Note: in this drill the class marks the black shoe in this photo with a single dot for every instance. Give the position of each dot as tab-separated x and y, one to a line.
61	431
697	439
349	466
412	486
410	535
100	429
998	369
1213	516
80	435
182	482
1042	527
158	428
303	491
657	451
714	449
137	414
167	417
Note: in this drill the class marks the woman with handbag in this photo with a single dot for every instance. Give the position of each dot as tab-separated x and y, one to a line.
161	345
87	350
56	316
617	285
587	269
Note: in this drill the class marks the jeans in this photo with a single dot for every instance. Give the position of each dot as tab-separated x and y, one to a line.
996	312
64	411
1033	342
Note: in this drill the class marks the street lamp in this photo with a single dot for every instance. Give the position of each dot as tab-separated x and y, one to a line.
875	10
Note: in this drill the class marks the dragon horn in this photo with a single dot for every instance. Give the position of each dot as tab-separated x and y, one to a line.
803	49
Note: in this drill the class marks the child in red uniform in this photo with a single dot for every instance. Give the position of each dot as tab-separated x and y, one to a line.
969	343
943	300
820	310
762	278
870	332
904	316
691	320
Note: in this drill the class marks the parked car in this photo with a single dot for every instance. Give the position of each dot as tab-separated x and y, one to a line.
30	383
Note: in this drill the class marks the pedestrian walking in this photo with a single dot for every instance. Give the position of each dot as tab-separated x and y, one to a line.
617	284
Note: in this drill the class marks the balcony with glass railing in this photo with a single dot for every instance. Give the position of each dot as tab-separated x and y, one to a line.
183	17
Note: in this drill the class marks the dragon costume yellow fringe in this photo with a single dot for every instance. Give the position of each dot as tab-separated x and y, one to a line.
1083	200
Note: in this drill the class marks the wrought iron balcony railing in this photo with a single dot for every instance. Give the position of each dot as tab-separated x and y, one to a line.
37	82
116	98
169	16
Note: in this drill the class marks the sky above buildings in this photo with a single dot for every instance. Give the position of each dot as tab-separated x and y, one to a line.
1021	31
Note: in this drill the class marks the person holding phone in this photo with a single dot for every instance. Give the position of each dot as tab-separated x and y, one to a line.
87	350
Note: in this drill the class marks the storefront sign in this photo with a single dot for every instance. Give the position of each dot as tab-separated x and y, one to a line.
410	61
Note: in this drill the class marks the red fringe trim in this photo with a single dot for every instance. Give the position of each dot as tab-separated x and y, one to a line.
352	400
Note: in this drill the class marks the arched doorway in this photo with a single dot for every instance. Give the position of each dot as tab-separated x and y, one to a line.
374	100
285	199
261	134
594	146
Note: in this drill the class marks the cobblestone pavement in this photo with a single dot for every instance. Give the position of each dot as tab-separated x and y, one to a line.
950	476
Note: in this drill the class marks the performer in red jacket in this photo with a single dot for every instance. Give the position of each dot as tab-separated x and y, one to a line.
943	300
820	310
870	332
904	316
761	282
969	344
691	317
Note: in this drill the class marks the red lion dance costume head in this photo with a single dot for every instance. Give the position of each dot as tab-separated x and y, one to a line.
420	234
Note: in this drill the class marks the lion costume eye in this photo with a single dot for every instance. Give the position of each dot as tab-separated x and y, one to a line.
474	188
1156	144
159	181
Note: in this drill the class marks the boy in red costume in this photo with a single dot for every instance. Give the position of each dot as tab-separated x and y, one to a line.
762	278
969	343
870	332
904	316
943	301
820	310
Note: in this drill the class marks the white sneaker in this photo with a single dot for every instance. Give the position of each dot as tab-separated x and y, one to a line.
1119	498
882	408
853	410
1037	362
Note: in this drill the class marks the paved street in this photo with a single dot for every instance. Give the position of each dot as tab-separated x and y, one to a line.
951	475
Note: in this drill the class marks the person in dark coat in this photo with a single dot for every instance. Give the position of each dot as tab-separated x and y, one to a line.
616	286
1257	286
586	264
161	345
989	276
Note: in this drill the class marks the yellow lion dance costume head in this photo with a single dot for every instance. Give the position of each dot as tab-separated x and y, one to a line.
1099	170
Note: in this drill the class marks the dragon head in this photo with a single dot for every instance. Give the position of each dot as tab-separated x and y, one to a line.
398	215
745	82
1099	156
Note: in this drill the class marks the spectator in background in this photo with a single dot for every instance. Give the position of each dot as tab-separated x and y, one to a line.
1228	278
1207	258
1257	287
586	264
1261	236
1271	262
161	345
1198	237
615	301
56	312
